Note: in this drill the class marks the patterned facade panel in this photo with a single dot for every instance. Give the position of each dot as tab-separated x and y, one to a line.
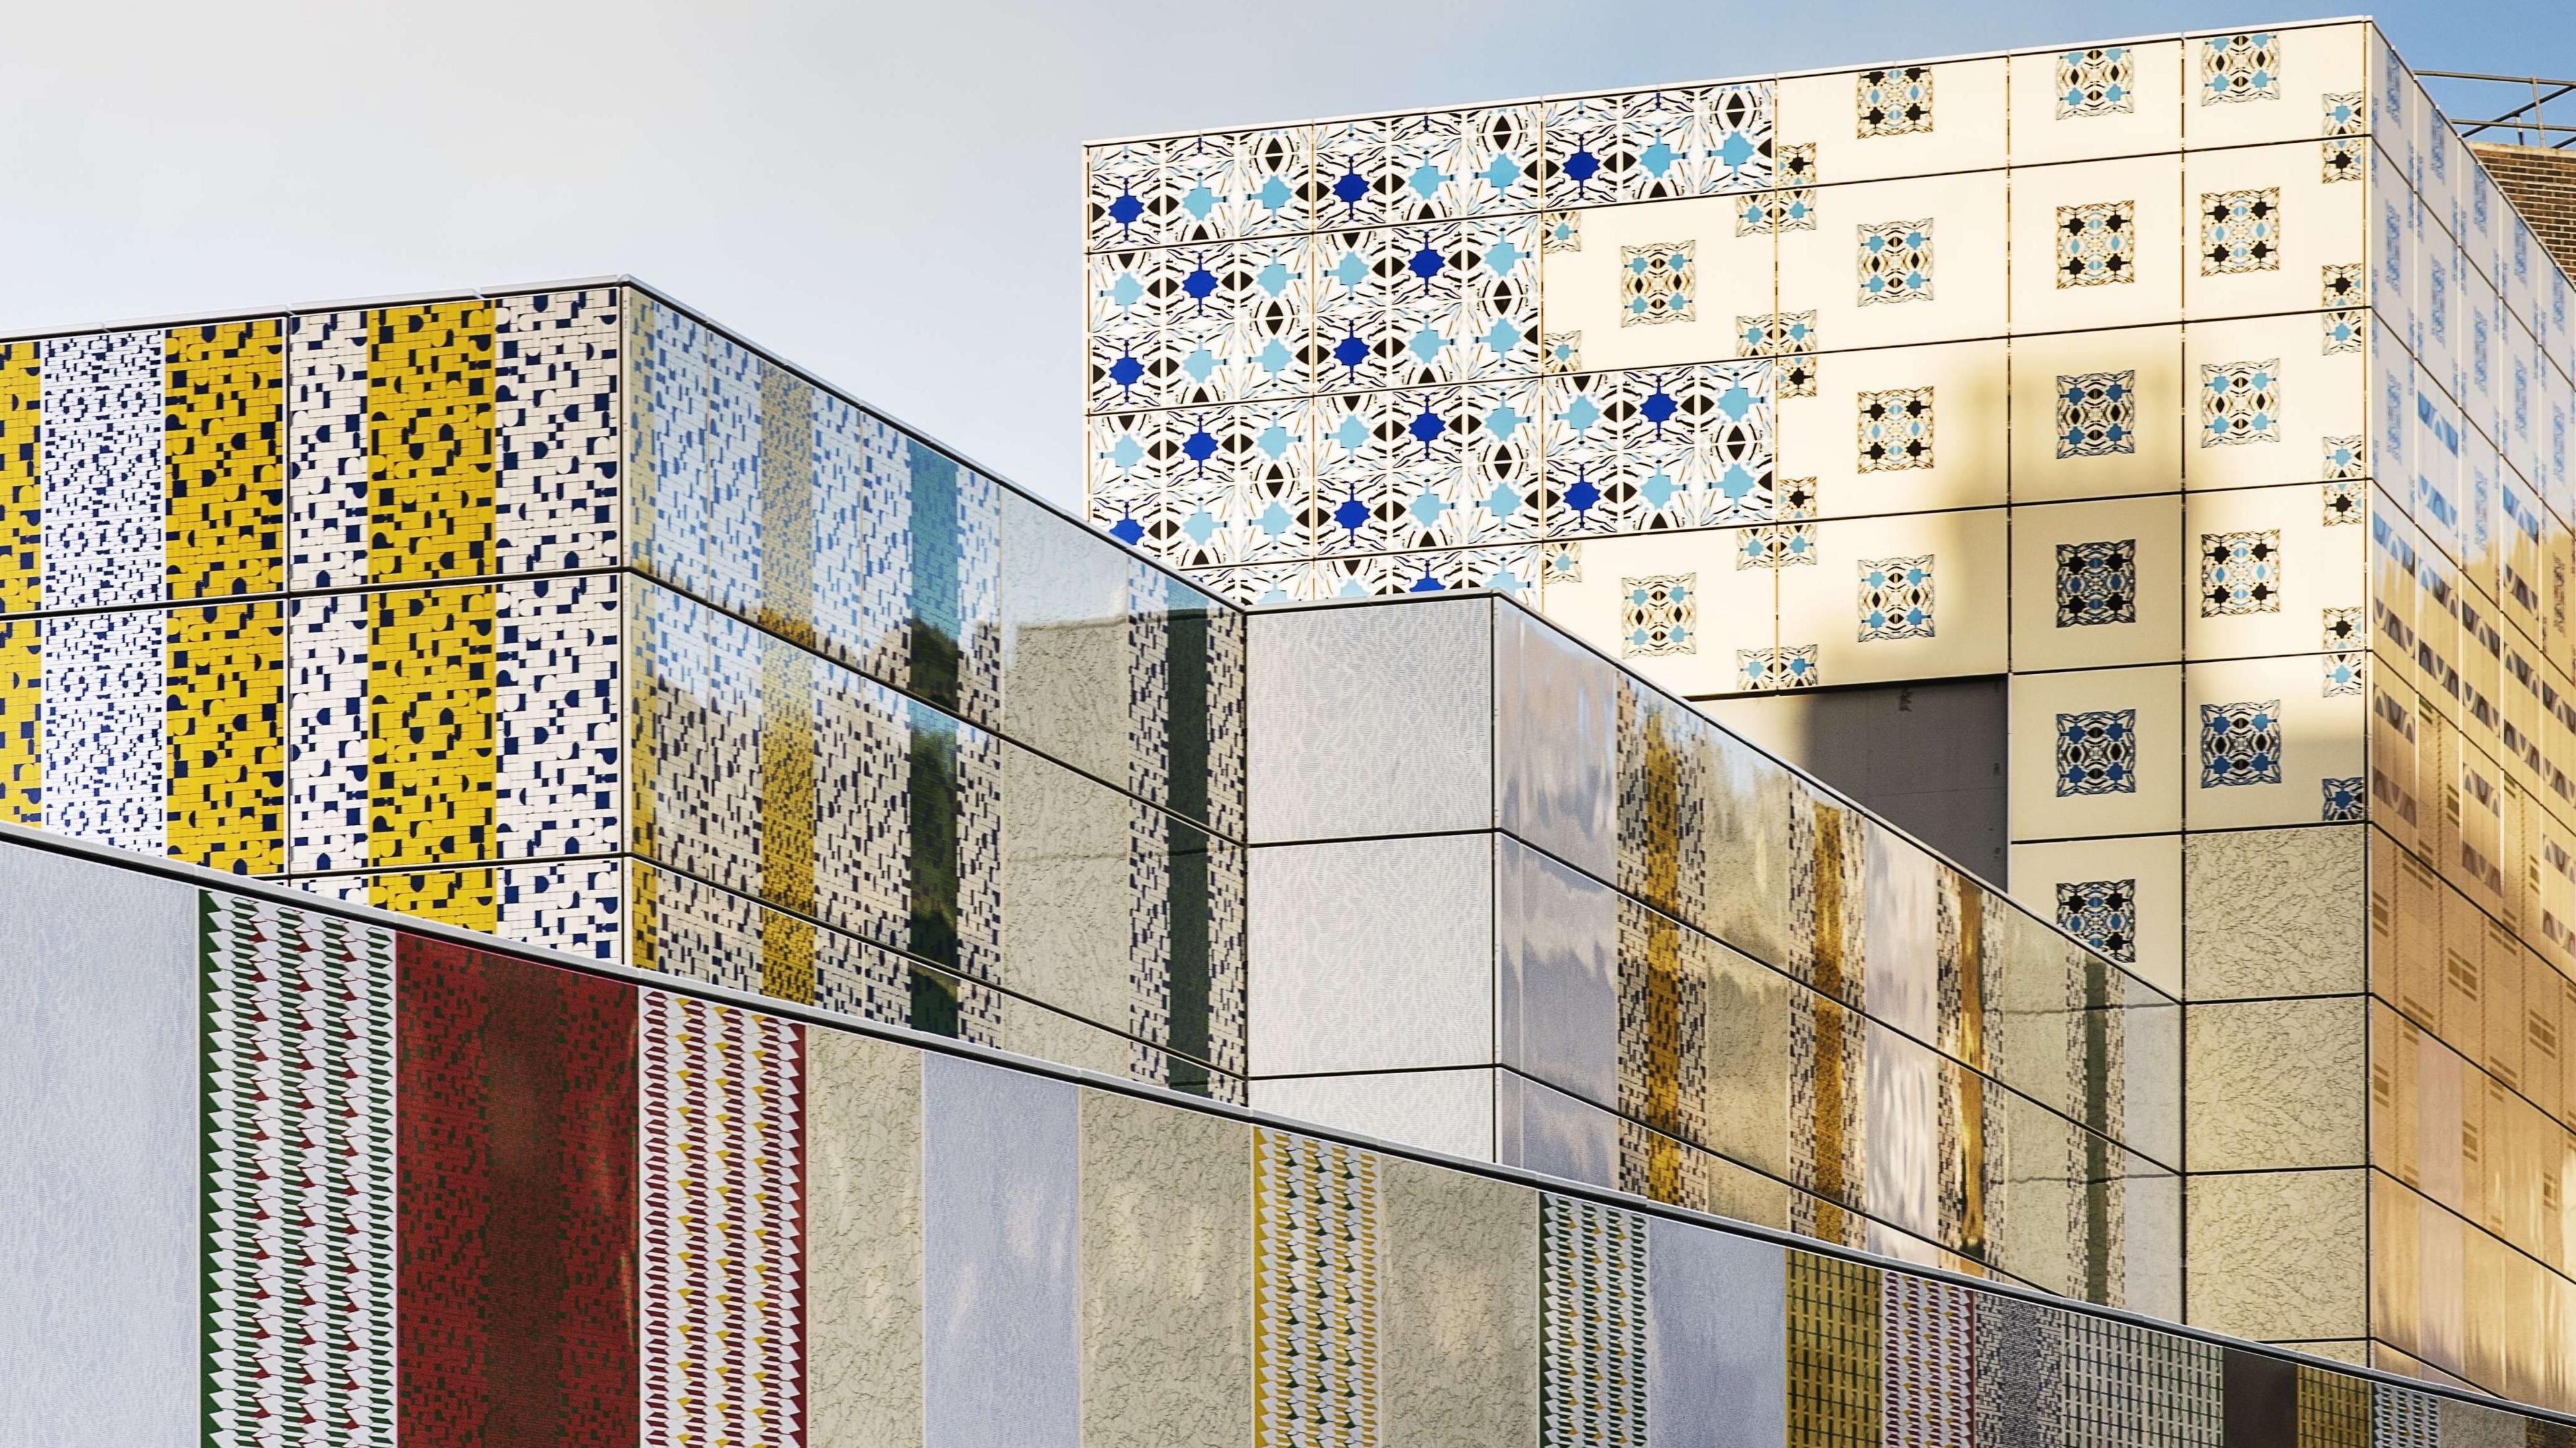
22	713
226	716
22	506
697	740
300	1188
101	537
1835	1345
430	728
1928	1382
2132	1385
558	706
225	443
1592	1325
1316	1283
429	442
862	794
327	429
721	1145
328	759
557	463
106	758
516	1206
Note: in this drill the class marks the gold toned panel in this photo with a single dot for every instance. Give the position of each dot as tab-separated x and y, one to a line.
429	441
222	440
227	730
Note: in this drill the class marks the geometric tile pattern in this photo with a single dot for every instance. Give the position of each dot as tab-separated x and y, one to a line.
1315	1293
1592	1307
2240	573
2240	402
1895	430
2240	743
2096	82
298	1111
2102	914
1662	615
1835	1331
2240	68
2132	1385
1896	262
2098	244
1896	598
2097	583
1894	102
2097	414
1660	280
2097	752
1929	1352
2346	801
2240	231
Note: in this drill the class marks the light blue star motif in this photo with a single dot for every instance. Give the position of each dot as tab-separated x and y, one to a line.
1427	180
1501	172
1502	337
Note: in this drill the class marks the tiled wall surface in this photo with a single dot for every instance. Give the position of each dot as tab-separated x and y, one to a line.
2206	387
289	1176
567	617
1577	927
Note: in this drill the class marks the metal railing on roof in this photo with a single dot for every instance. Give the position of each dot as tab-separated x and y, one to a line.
2506	109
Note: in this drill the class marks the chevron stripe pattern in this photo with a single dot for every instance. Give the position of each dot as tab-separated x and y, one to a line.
297	1011
722	1260
1314	1293
1592	1324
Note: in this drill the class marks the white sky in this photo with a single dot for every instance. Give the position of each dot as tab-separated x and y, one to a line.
888	194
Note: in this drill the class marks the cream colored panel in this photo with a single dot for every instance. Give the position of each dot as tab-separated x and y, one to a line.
2073	105
2065	879
2266	574
2098	414
2278	1255
1166	1275
863	1231
1914	596
1900	430
2097	244
2306	65
1858	272
2268	746
2065	766
2267	403
2244	262
2275	1084
2070	607
2274	912
1727	611
1960	126
1458	1315
1585	289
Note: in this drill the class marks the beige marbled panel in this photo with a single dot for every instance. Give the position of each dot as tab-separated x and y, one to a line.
863	1229
1458	1309
2275	1084
2278	1256
1746	1057
1032	1030
1065	916
1166	1275
2274	912
2353	1350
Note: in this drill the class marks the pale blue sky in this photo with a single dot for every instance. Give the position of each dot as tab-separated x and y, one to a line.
888	194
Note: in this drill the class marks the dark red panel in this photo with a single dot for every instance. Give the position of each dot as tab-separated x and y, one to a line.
517	1156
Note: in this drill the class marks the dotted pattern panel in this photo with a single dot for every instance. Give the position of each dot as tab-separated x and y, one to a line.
698	690
555	407
102	464
226	448
558	701
463	898
327	755
227	727
429	441
22	512
861	499
1833	1353
326	453
862	802
787	809
430	795
105	756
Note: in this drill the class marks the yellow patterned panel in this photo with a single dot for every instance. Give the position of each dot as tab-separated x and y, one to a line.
22	740
227	683
429	726
227	490
429	441
451	897
22	396
787	818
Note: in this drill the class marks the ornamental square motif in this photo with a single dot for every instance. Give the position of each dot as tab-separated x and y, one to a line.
1778	334
1560	231
1797	498
2341	629
2097	583
2096	82
1562	560
2347	114
1561	352
1896	598
2344	322
2097	752
2340	158
2340	674
1656	283
1896	430
2102	914
1893	102
1660	615
2240	231
2097	414
1768	671
2341	503
2240	744
2097	244
2240	402
2344	801
2240	573
1778	545
1896	262
2237	68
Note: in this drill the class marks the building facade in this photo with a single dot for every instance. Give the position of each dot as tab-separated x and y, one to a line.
2205	390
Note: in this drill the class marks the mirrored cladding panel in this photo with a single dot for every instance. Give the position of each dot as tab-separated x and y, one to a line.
1563	920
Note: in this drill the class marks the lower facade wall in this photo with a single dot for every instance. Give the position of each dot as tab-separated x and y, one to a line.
282	1176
